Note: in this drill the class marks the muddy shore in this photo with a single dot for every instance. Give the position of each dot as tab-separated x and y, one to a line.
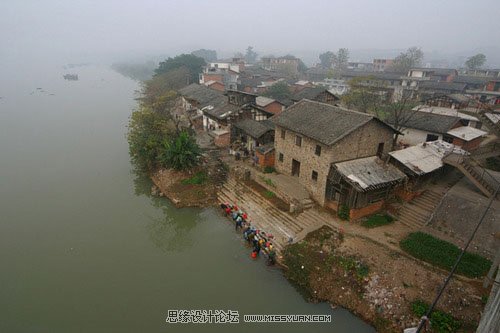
370	280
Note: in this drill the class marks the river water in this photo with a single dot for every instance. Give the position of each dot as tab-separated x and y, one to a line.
83	248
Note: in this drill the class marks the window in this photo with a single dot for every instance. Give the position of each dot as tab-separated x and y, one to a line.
318	150
314	175
448	138
298	140
431	137
283	134
280	157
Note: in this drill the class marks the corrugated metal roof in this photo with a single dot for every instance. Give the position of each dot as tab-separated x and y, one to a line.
425	157
369	173
466	133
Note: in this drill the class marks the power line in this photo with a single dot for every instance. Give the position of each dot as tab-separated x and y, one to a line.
431	308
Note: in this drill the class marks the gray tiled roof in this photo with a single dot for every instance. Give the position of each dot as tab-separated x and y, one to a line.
447	86
425	121
310	93
254	128
322	122
203	95
471	79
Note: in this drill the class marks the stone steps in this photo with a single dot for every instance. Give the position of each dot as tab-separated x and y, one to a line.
417	212
265	216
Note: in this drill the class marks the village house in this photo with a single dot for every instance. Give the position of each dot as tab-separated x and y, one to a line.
451	101
360	66
381	65
424	124
311	137
252	134
226	73
269	105
211	105
288	64
421	163
215	85
362	185
417	75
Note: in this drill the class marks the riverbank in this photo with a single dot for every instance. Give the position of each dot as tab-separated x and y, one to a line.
184	189
377	284
362	270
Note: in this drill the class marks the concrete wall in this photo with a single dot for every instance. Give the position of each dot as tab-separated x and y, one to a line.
414	136
363	142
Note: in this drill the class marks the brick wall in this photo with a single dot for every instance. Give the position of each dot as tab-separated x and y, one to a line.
212	77
222	140
363	142
468	145
355	214
217	86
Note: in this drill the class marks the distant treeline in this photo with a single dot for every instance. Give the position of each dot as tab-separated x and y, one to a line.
136	71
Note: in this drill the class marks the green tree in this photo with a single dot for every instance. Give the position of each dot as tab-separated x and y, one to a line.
337	61
326	59
364	97
340	59
406	60
476	61
180	153
191	62
279	91
147	130
399	114
207	55
250	55
155	91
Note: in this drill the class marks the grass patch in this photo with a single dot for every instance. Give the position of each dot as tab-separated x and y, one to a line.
441	322
269	194
444	254
377	220
198	179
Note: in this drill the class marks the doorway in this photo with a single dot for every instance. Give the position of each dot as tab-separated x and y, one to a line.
295	168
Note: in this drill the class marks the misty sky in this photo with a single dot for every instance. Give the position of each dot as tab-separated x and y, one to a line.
74	29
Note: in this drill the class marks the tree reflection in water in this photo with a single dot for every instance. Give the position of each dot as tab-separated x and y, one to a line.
171	231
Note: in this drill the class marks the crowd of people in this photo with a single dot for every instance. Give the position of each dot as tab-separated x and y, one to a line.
258	239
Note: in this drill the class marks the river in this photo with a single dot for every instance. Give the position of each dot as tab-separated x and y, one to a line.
83	248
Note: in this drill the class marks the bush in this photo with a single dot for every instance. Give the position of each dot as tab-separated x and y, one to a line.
269	194
198	179
181	153
343	212
377	220
444	254
268	181
440	321
269	169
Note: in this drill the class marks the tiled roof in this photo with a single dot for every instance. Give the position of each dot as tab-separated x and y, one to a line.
322	122
254	128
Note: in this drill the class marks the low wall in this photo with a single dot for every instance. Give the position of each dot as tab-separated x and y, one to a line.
358	213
